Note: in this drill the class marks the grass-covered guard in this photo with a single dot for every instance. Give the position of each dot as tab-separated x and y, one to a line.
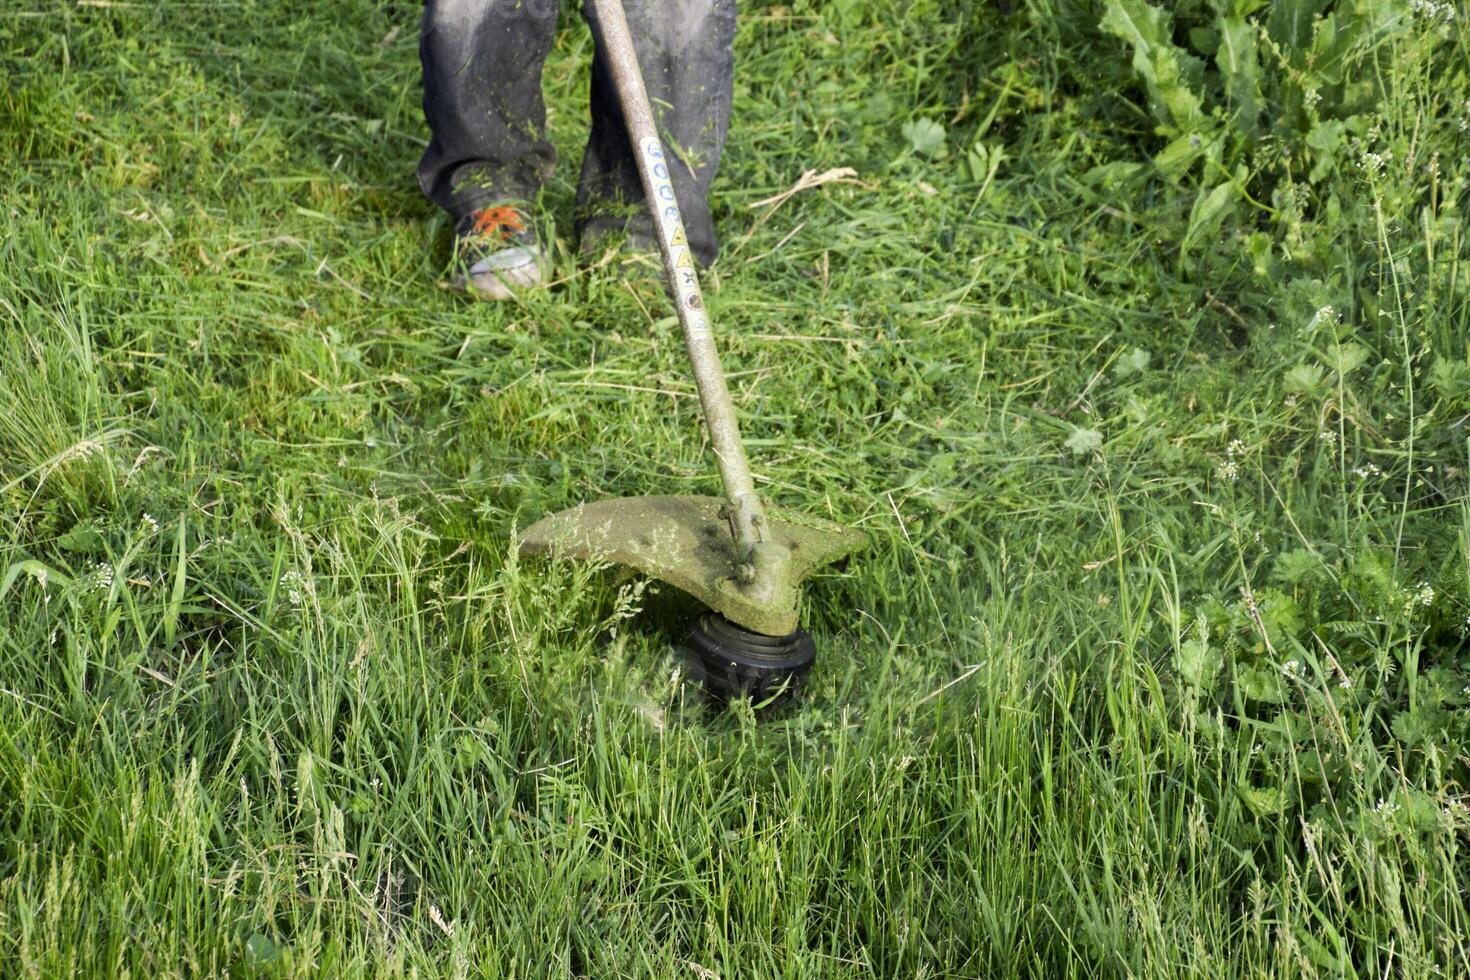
1137	342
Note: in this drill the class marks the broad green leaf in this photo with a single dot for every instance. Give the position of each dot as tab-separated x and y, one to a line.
1419	810
1135	361
1378	20
1174	159
1263	801
1210	207
1237	8
985	160
1305	378
1262	252
1344	359
1164	67
82	540
1280	615
41	573
261	953
1329	46
878	108
1205	40
1297	567
1238	62
1197	663
978	163
1108	176
1324	140
926	137
1260	684
1450	378
1416	725
1319	953
1290	26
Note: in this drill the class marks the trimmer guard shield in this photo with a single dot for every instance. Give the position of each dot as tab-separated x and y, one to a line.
683	540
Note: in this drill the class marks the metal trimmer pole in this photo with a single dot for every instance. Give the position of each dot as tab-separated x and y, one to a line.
758	560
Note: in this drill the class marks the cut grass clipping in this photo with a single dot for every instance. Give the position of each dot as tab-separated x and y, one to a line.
1136	340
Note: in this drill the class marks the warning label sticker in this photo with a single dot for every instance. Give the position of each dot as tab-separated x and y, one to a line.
671	230
672	226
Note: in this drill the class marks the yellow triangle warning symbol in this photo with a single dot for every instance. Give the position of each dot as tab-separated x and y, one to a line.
685	262
679	238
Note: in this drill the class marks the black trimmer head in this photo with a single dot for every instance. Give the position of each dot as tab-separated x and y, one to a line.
736	663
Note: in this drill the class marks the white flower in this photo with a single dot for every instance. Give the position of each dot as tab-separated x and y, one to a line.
295	585
1429	10
1374	163
1367	470
1228	471
1420	595
152	524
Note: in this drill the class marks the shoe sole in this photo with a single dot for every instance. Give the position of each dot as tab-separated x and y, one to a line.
494	284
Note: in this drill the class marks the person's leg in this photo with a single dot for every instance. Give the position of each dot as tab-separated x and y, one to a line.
482	99
685	48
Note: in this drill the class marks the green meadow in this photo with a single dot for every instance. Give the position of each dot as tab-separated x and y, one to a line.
1135	336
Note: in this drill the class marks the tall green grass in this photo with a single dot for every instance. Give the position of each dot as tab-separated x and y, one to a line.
1156	667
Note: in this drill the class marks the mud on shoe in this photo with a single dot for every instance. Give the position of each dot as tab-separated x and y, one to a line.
497	254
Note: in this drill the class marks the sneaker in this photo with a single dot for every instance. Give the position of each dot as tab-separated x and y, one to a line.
601	233
619	256
497	254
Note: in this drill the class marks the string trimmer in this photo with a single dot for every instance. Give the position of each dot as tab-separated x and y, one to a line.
742	560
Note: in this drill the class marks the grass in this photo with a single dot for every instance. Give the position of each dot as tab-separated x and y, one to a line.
1156	666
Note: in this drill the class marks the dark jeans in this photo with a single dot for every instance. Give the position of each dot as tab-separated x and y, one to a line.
482	98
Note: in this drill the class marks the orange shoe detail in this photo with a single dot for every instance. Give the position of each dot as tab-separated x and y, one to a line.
501	222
